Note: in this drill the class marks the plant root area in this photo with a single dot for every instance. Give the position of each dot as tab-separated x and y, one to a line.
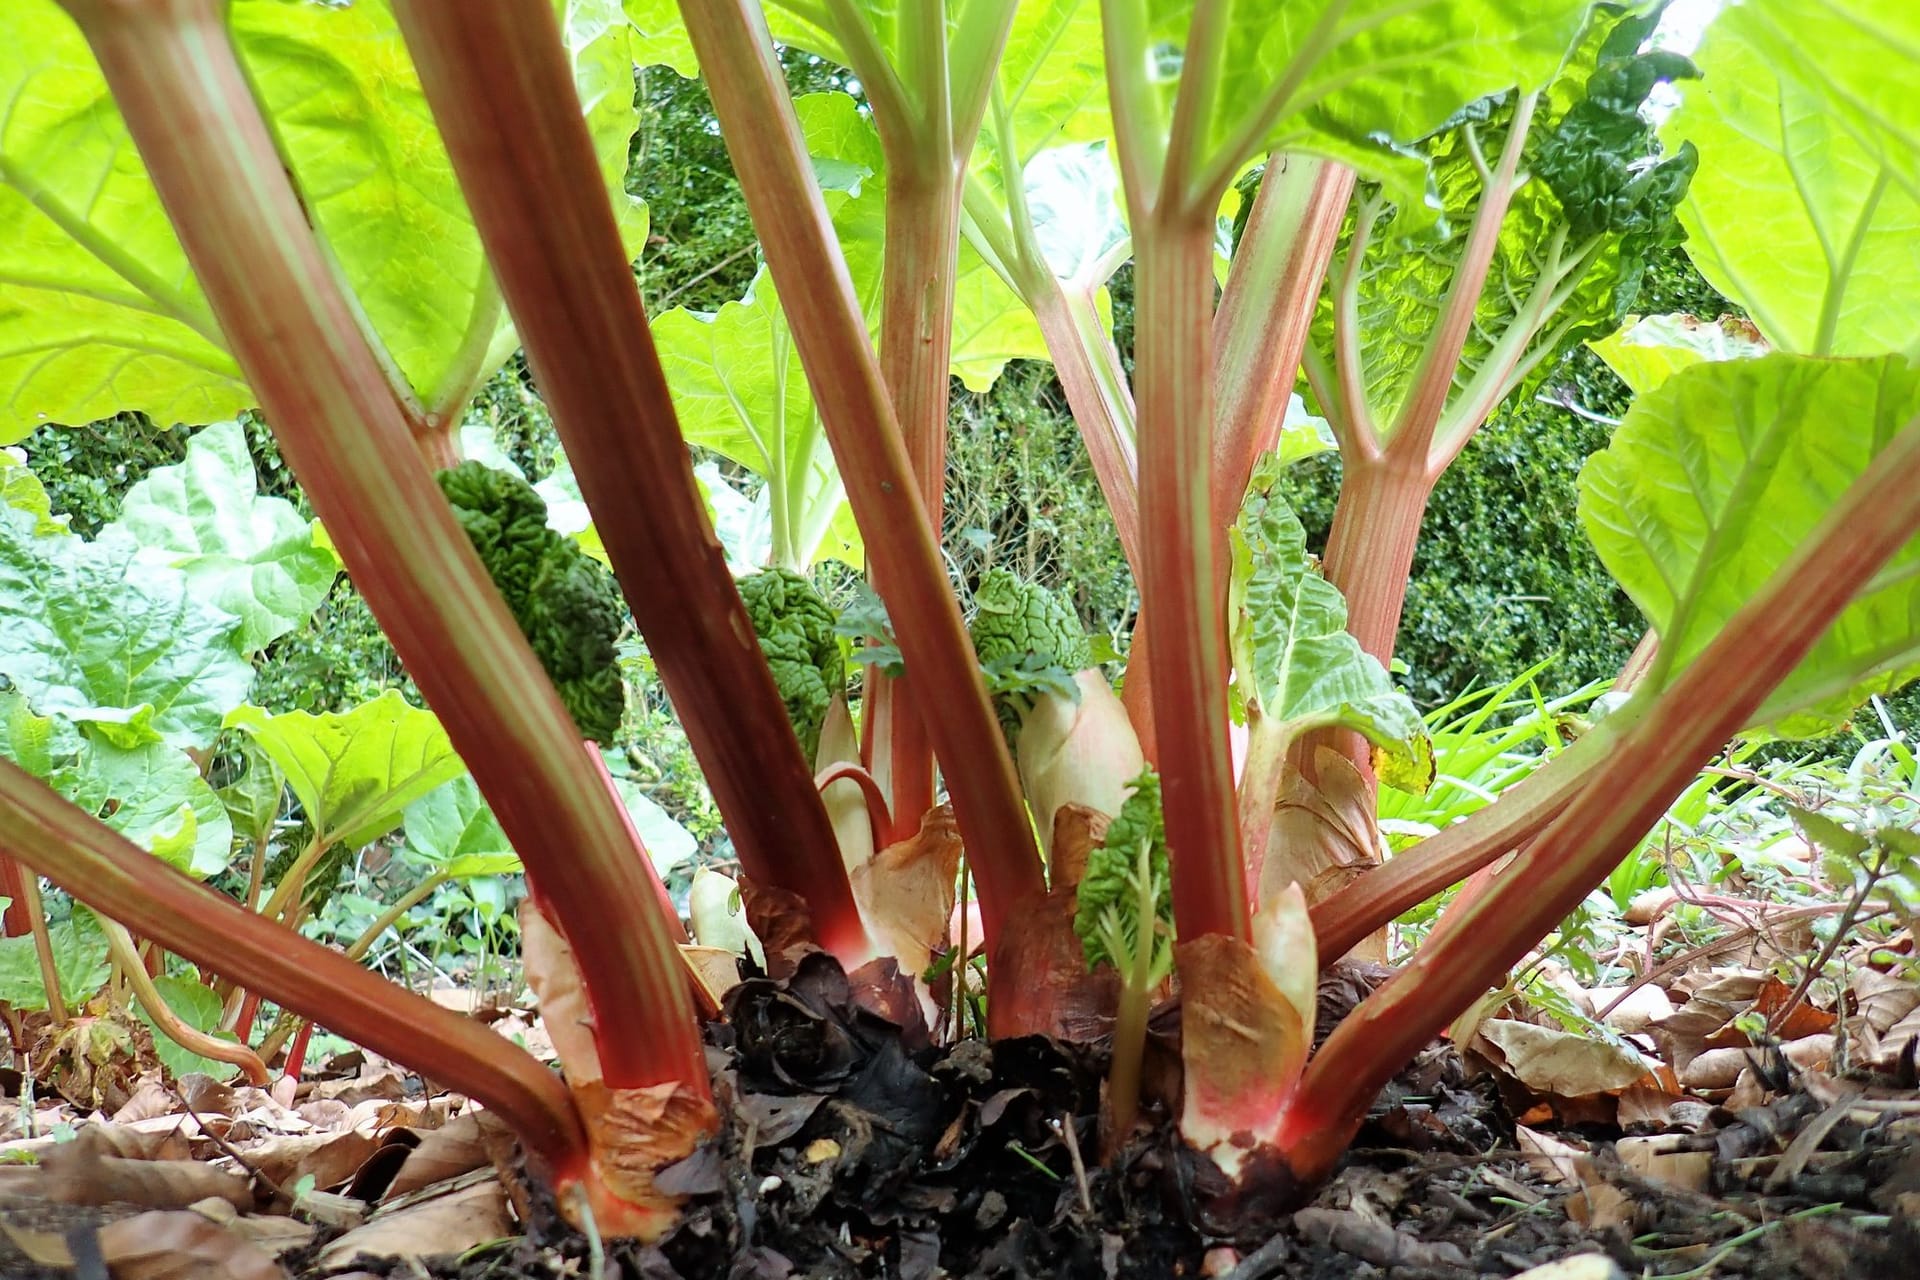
845	1153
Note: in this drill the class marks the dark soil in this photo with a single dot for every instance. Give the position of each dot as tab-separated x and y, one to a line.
849	1156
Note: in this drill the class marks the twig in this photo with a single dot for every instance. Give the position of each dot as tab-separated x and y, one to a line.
1064	1127
1840	931
226	1149
1733	939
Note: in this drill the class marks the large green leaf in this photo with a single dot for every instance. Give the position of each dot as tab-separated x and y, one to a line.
1345	73
1293	656
89	633
1809	208
1648	350
452	827
668	843
1572	247
1719	475
739	390
79	962
355	772
151	793
199	1007
253	799
251	555
98	309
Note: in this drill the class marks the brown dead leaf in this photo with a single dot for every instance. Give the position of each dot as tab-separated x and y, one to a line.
167	1141
1641	1008
150	1098
906	894
463	1144
273	1234
716	969
1666	1158
1883	999
441	1225
1559	1064
78	1174
1804	1020
1556	1161
330	1158
182	1245
1076	830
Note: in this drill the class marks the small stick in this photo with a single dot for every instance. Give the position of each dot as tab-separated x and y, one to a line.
1064	1127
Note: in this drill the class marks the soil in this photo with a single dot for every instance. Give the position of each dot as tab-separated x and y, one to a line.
850	1155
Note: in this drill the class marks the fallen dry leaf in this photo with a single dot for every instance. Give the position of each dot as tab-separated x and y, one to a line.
330	1158
75	1173
463	1144
1559	1064
182	1245
1665	1158
448	1224
1556	1161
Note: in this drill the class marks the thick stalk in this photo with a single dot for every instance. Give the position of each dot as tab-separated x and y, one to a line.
124	882
1262	770
916	345
1376	527
776	176
1183	615
187	102
498	80
1403	882
1653	760
1266	311
127	958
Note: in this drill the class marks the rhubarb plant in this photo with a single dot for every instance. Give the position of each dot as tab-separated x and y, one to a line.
1763	512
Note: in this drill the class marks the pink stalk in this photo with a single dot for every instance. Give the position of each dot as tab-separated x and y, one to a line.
776	176
497	77
124	882
1653	759
190	108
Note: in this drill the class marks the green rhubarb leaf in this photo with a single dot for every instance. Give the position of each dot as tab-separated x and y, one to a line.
80	964
739	390
659	38
99	311
1808	214
355	772
452	826
1333	77
199	1007
1052	90
154	796
88	633
1572	248
254	798
1648	350
251	555
1715	479
1293	656
22	490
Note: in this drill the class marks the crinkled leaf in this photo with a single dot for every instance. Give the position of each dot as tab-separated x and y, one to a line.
1809	209
1118	882
98	309
199	1007
251	555
355	772
38	744
1648	350
1293	656
1719	475
88	633
153	795
79	963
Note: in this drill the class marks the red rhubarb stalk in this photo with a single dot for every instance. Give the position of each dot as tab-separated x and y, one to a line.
776	176
189	106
